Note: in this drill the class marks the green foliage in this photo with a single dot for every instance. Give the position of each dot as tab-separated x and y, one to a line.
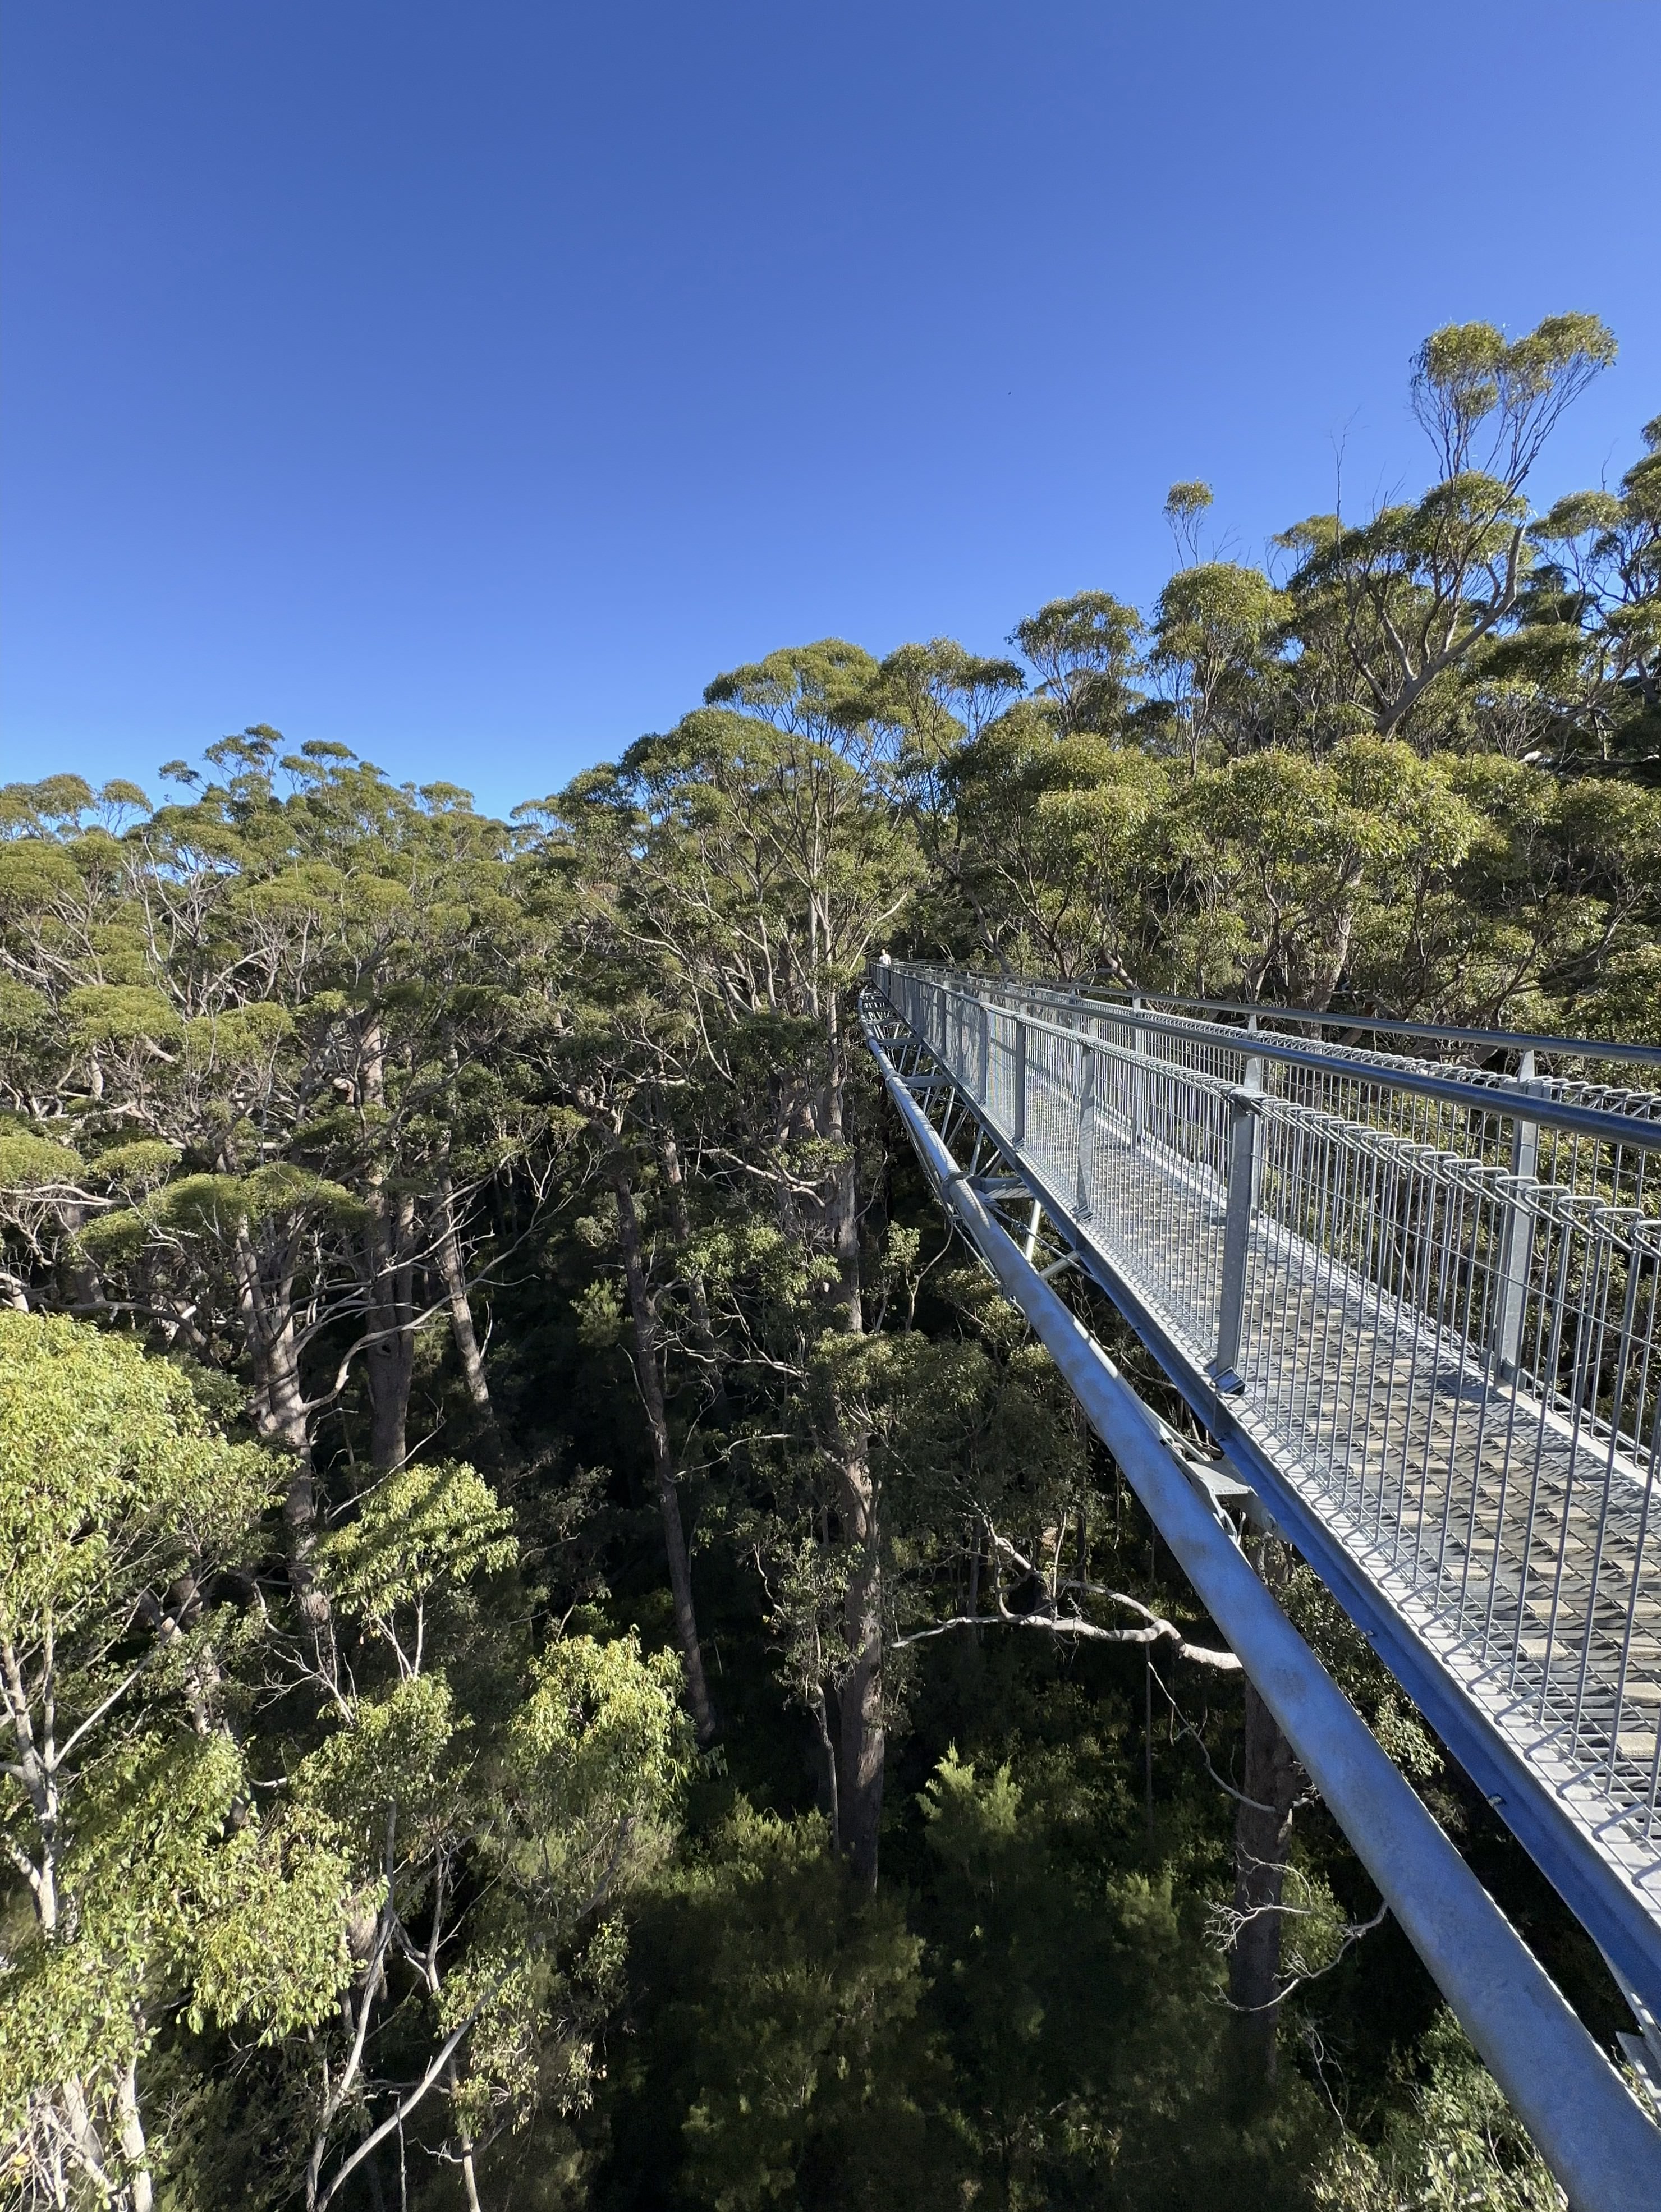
1457	2145
1467	377
790	2041
597	1753
111	1482
271	1947
118	1014
136	1167
35	873
1082	2021
1083	649
394	1761
32	1163
599	1316
118	1501
436	1526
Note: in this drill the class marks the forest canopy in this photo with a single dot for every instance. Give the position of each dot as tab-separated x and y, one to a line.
491	1422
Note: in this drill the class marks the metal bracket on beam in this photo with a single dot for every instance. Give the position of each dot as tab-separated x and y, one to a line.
1222	1487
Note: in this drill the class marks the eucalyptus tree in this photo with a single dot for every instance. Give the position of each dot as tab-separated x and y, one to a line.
1421	588
276	1036
415	944
1560	898
391	1858
769	855
493	1804
1285	875
1214	664
1084	650
127	1528
1185	505
934	700
1588	644
1054	838
156	1049
627	1047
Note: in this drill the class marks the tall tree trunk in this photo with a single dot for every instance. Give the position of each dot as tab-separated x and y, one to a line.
452	1269
388	1274
79	1276
279	1410
82	2128
1262	1834
649	1373
469	2176
703	1334
134	2148
859	1695
389	1357
1328	970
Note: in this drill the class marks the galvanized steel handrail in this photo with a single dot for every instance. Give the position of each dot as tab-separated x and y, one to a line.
1469	1088
1643	1102
1519	1040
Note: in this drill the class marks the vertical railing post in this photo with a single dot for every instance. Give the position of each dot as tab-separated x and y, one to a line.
1244	1107
984	1042
1254	1081
1517	1250
1019	1130
1087	1133
1138	1075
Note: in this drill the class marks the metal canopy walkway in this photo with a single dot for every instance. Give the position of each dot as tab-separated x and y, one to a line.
1417	1305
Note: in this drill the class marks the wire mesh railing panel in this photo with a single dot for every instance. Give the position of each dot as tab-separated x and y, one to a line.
1439	1312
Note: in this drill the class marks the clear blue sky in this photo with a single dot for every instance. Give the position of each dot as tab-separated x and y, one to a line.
472	383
